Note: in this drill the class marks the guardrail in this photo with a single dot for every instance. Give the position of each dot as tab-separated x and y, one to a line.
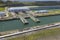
31	30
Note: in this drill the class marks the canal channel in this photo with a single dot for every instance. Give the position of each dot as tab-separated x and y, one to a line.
17	24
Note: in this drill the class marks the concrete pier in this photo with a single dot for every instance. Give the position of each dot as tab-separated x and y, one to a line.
22	18
24	15
33	18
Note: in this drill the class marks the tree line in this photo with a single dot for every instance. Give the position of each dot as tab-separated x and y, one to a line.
36	3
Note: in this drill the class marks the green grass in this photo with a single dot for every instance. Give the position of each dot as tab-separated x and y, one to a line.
39	34
2	8
54	12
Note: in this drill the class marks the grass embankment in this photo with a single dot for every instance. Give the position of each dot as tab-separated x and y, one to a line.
2	8
39	34
54	12
51	12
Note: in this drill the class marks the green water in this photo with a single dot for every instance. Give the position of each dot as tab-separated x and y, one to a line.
17	24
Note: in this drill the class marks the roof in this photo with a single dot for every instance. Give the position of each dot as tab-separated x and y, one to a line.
2	12
42	11
11	8
18	9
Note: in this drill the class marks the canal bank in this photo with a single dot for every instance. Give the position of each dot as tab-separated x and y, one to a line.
17	24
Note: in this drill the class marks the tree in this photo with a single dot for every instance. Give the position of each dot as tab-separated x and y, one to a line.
1	1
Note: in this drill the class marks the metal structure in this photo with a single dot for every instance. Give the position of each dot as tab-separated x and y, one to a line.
18	9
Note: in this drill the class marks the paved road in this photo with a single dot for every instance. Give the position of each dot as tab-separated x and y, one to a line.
30	30
4	39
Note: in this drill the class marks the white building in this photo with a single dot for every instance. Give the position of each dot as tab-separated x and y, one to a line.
2	14
42	11
18	9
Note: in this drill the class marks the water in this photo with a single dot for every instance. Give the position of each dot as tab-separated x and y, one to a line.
17	24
